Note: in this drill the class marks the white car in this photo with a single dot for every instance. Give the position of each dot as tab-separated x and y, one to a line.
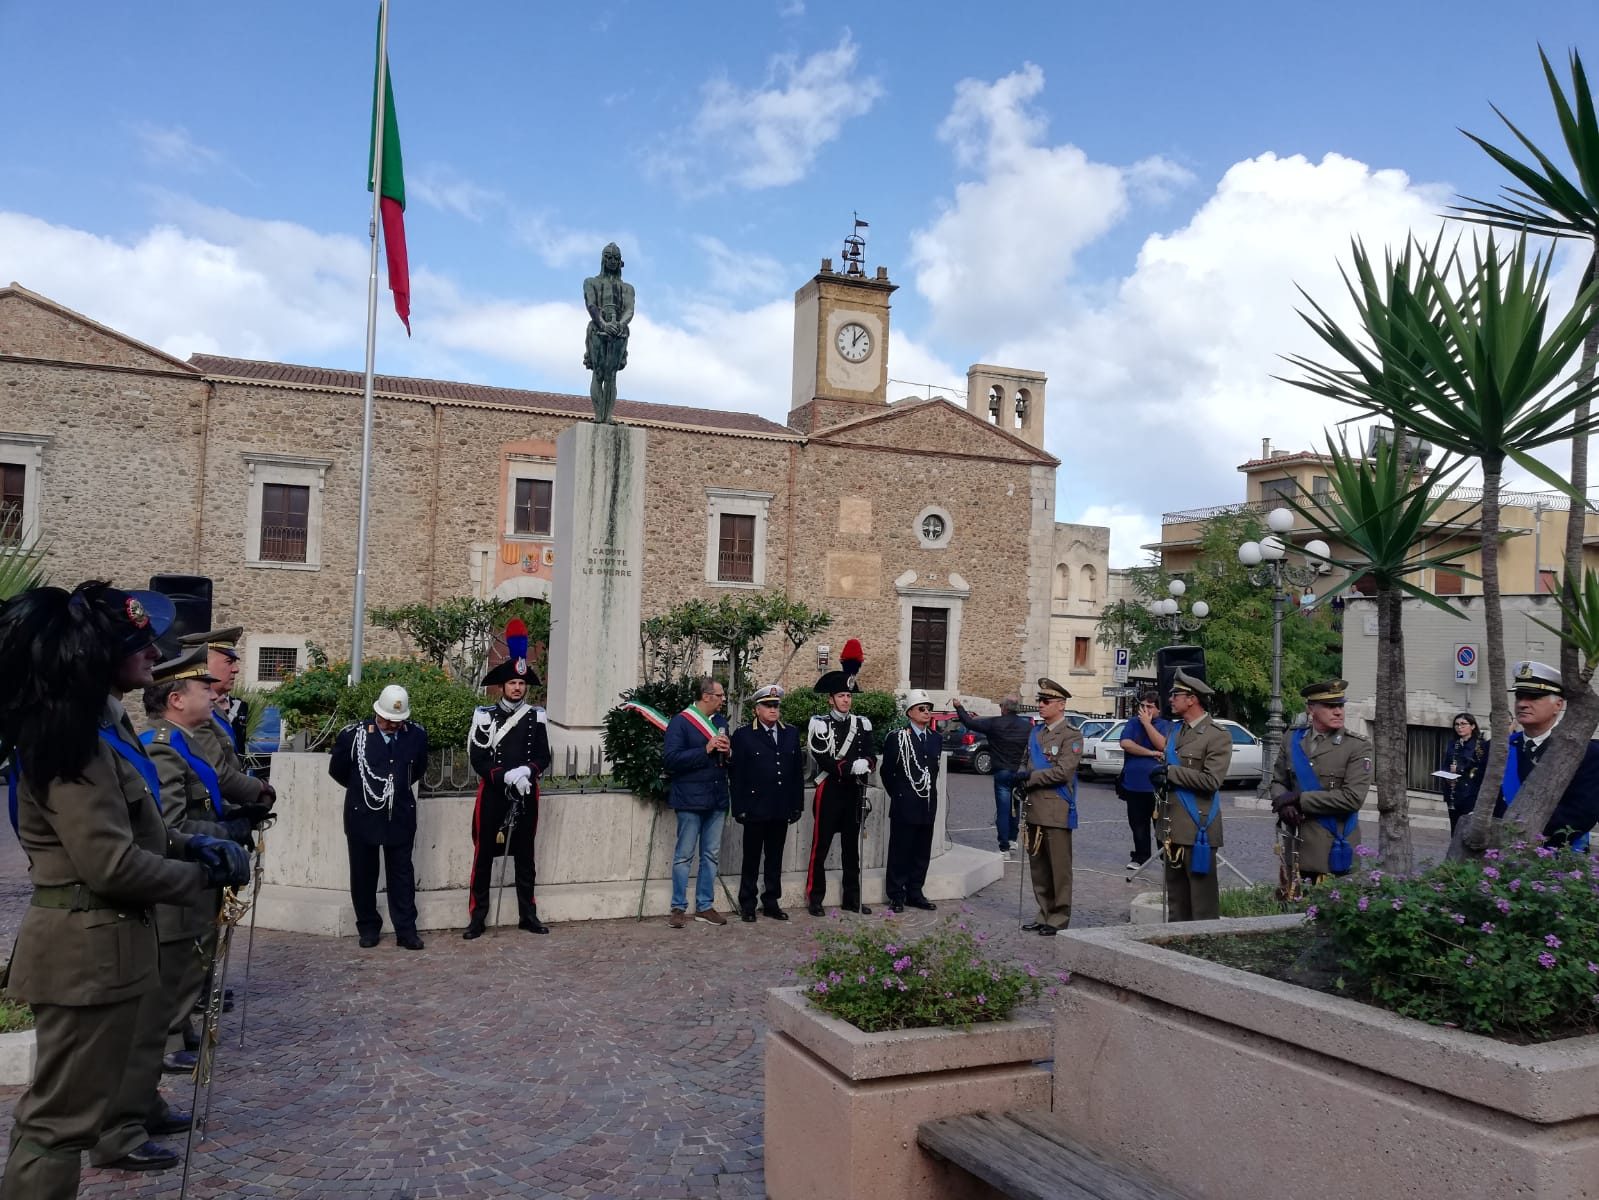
1094	730
1245	767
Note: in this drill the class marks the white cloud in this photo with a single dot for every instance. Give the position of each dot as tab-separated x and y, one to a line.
767	136
792	9
739	272
445	188
561	245
1001	254
171	147
1130	531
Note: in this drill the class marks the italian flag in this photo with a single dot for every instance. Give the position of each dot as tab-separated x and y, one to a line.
391	192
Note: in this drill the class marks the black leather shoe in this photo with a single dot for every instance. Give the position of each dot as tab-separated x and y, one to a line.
176	1121
474	930
924	904
1032	927
1047	931
815	910
152	1156
896	908
408	941
865	910
776	914
747	916
368	940
533	925
179	1062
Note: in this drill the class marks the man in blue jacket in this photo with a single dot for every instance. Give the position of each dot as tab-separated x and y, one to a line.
696	759
768	784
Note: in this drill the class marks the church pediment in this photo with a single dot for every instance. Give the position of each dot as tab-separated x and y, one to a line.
935	427
34	326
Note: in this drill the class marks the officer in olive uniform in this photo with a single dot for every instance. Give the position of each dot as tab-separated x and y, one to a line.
379	762
509	748
1054	749
844	754
1188	812
98	855
1321	778
178	701
216	740
222	646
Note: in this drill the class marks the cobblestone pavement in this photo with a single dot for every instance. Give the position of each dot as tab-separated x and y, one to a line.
612	1058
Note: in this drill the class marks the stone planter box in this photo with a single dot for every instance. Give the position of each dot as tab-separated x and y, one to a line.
842	1105
1229	1084
18	1053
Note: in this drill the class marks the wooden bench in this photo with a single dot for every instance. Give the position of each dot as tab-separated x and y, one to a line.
1025	1155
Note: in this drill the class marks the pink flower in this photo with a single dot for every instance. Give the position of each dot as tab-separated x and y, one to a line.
1458	918
1335	895
821	988
1364	852
1362	904
982	999
1032	971
1491	872
1593	968
1310	913
1544	852
1399	903
1063	976
1375	876
1487	927
1502	905
1515	885
901	964
1546	960
1471	960
1551	941
1492	855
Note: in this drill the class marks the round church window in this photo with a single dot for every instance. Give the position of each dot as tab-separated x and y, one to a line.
933	528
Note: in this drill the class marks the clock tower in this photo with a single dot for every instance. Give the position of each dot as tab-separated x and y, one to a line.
840	344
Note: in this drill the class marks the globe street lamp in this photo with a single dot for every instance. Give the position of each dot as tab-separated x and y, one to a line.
1168	613
1268	565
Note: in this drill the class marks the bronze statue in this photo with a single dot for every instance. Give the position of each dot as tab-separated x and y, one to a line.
610	304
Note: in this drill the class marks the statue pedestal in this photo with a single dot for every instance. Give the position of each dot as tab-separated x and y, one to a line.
599	573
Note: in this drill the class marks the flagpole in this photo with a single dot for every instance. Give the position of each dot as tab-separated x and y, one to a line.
359	619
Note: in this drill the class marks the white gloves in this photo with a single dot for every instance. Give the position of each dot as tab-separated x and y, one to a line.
860	767
520	778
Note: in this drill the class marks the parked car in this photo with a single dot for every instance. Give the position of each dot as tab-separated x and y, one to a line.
1093	729
1245	768
968	749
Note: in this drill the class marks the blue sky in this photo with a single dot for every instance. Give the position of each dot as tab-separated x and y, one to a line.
1120	195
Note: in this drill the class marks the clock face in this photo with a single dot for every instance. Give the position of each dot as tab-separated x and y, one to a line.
854	342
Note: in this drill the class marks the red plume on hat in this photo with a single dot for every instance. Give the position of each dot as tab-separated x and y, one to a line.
516	638
851	658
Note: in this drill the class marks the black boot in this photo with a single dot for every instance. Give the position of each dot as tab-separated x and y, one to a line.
474	929
531	922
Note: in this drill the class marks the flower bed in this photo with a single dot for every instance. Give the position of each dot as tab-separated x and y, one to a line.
876	978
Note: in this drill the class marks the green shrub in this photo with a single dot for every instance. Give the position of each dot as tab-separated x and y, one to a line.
319	702
1257	900
634	746
1508	944
880	708
15	1016
871	975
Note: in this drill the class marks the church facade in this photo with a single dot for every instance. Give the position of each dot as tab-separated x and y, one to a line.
925	526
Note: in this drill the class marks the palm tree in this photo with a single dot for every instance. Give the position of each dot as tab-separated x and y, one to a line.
1558	204
1485	380
1379	508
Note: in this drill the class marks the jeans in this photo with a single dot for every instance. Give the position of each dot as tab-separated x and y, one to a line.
703	829
1004	822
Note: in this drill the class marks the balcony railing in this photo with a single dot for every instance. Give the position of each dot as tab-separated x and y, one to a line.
1545	501
735	567
283	543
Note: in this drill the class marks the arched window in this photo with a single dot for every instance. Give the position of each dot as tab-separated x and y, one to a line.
996	406
1023	402
1063	582
1086	583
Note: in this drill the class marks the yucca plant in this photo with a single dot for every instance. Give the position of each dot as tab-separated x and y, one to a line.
1380	509
21	559
1486	376
1562	204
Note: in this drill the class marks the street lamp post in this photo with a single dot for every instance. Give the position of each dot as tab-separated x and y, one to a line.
1267	561
1168	613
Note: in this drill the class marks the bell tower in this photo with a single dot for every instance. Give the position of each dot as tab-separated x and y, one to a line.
1008	398
841	341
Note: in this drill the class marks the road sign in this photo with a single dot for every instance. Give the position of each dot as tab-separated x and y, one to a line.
1465	662
1122	658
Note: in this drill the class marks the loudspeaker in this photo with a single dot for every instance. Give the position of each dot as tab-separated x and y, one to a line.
1167	659
191	597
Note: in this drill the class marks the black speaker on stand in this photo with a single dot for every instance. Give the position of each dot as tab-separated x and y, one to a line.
1167	660
191	597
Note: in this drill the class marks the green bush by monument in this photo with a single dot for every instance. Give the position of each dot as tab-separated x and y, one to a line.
880	708
319	702
634	745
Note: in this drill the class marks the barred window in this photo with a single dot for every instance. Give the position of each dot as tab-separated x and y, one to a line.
274	664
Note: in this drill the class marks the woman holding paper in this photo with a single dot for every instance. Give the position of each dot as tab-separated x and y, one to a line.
1464	759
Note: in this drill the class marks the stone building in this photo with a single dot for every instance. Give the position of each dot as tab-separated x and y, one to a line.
1078	595
925	526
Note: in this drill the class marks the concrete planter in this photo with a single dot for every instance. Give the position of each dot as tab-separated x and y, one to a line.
1229	1084
18	1053
842	1105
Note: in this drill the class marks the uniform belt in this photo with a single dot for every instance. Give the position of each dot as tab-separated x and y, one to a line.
76	897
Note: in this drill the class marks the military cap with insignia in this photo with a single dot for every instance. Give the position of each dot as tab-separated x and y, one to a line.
772	693
1048	689
1536	677
1328	691
192	663
1182	681
223	641
139	617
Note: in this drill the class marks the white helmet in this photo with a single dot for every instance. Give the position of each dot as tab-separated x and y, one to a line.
393	704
